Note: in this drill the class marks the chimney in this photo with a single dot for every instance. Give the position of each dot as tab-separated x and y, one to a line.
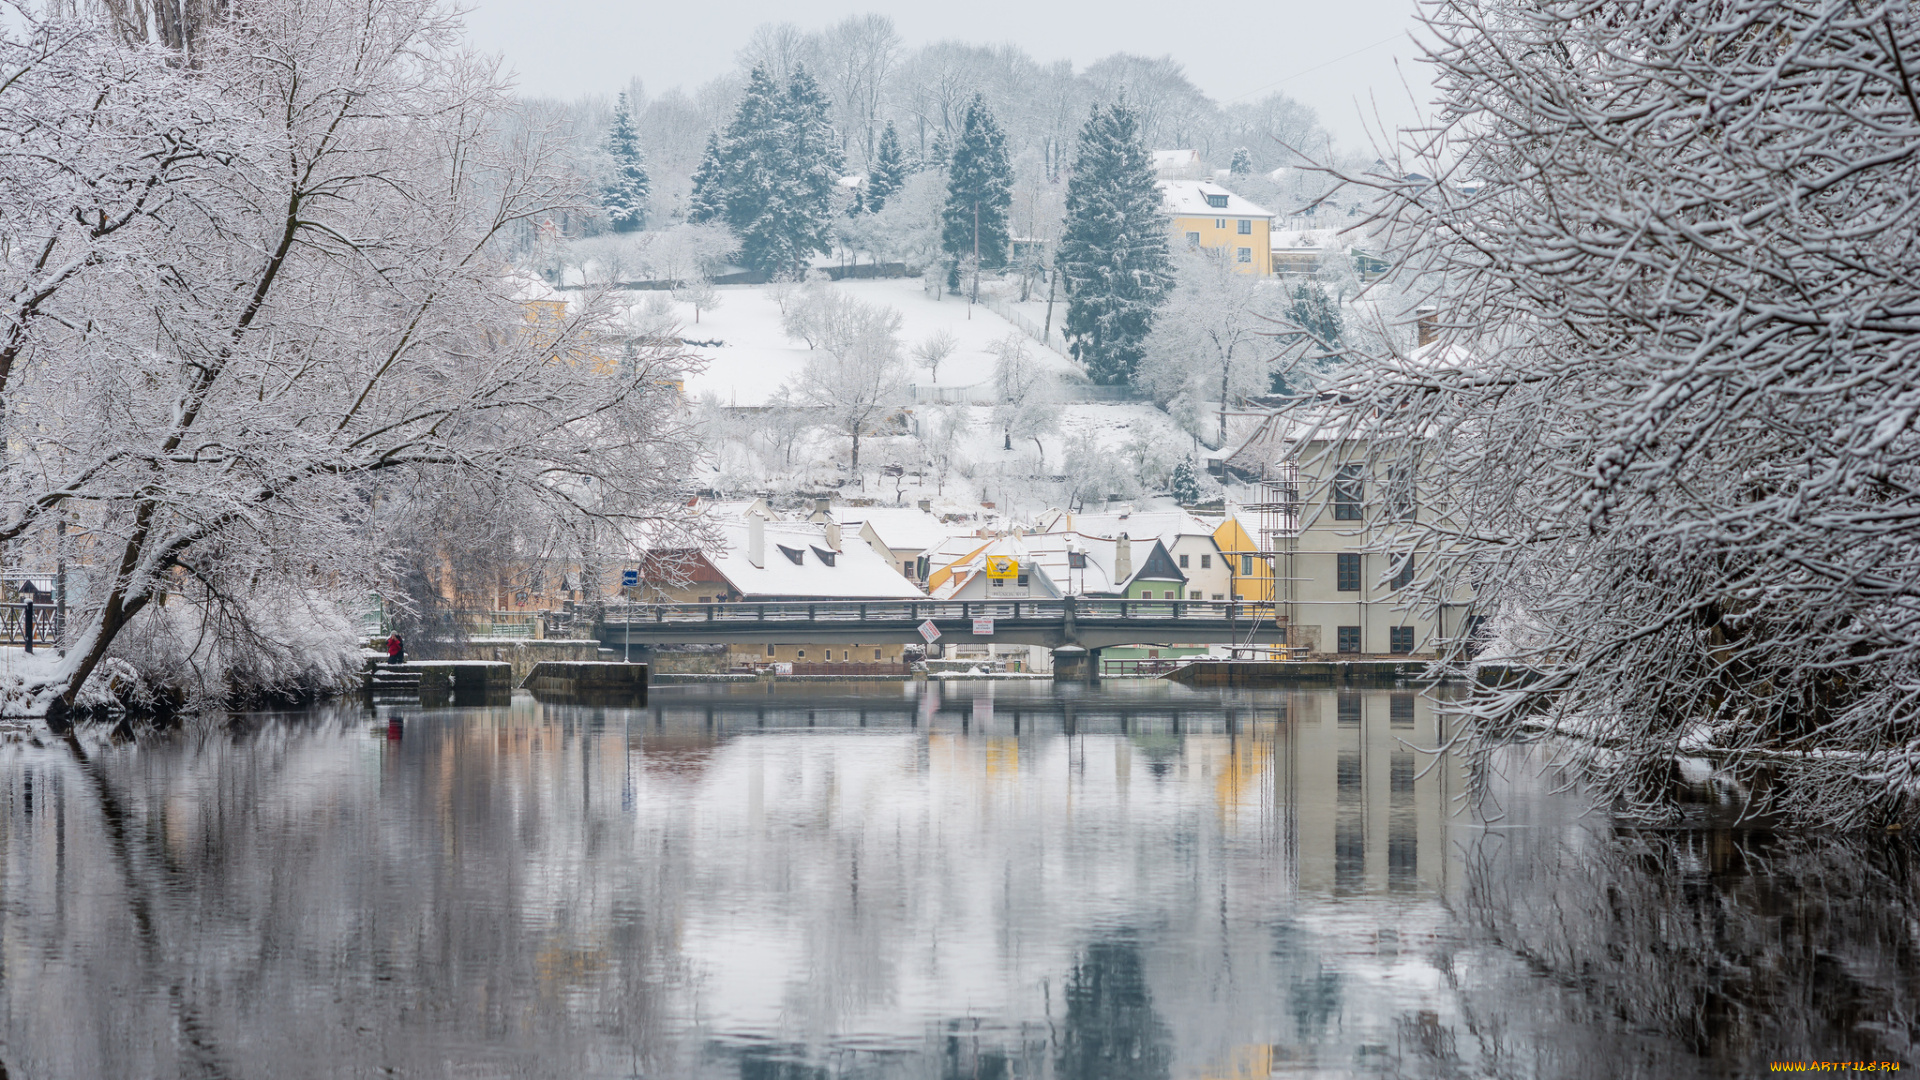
1122	560
823	508
1429	325
833	535
757	541
1019	532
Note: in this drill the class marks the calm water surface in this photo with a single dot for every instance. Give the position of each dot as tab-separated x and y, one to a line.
986	881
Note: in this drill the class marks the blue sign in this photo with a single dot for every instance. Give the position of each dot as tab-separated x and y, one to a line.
629	578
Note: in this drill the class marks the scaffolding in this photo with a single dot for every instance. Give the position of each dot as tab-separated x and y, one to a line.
1275	536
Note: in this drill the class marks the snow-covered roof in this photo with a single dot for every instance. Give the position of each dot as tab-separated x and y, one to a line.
899	527
853	181
796	565
1175	159
1163	525
1189	198
958	576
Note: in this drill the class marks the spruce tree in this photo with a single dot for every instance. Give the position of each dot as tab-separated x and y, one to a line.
1242	162
1184	485
624	195
709	201
813	169
888	173
979	194
1113	249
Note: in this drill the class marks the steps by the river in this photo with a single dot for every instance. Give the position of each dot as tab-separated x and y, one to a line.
443	682
388	681
589	683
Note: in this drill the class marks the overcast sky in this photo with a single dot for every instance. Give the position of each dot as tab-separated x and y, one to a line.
1338	56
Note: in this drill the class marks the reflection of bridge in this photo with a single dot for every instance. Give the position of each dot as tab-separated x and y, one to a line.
1089	624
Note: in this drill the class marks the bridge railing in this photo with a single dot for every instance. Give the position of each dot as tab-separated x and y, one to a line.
940	611
46	630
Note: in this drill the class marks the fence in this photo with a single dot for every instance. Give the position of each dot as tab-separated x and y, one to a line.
46	629
1052	337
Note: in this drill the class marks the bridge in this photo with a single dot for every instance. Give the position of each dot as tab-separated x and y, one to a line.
1054	624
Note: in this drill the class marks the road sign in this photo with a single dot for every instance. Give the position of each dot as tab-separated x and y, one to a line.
929	631
629	579
983	628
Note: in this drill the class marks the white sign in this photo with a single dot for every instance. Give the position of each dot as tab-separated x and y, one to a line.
983	628
929	631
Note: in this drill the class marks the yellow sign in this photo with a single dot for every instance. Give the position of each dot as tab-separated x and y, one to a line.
1002	566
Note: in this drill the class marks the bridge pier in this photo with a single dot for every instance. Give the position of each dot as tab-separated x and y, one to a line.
1071	663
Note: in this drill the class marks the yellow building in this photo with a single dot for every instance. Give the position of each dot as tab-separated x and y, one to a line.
1252	572
1206	215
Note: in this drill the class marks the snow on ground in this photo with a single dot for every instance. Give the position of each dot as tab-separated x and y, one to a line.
756	356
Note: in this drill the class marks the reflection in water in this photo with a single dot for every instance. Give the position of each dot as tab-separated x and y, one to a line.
985	881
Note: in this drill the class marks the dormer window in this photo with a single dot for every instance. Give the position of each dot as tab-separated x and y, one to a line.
794	554
1076	560
825	556
1218	202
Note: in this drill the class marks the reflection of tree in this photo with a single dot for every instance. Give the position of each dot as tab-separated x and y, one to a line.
1111	1031
1742	948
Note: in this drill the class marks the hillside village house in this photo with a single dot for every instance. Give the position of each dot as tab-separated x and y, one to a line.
762	561
1206	215
905	534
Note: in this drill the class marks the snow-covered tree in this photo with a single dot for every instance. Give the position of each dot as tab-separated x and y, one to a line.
1183	485
773	174
1242	161
973	225
256	310
1313	320
1113	252
1668	430
1214	338
624	196
934	349
887	172
855	377
1028	404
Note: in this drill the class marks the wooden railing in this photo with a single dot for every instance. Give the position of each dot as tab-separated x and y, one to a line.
13	620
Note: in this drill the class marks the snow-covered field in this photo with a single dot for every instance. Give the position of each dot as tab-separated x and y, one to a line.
755	356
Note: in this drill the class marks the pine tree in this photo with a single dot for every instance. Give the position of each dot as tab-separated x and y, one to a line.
979	194
888	173
1113	250
772	174
709	201
1242	162
1183	485
624	195
1312	310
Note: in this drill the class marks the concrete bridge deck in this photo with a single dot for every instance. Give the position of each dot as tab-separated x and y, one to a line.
1053	624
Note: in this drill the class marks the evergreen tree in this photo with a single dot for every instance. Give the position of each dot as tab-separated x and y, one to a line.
1312	310
979	194
1185	487
1242	162
709	201
1113	250
888	173
624	195
772	174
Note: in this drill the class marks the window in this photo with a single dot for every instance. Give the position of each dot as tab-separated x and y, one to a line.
1245	255
825	555
1347	572
1218	202
1020	580
1246	227
876	654
1077	560
1206	562
793	554
1183	562
1403	574
800	654
1219	596
1194	594
1400	640
1349	490
1400	492
1219	223
1246	566
769	650
1193	239
706	599
1348	639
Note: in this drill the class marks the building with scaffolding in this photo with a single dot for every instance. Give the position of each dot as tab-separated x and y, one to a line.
1326	535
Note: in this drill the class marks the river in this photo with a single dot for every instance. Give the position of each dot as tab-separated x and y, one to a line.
983	880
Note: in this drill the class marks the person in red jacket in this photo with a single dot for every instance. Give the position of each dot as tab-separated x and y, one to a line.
396	649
